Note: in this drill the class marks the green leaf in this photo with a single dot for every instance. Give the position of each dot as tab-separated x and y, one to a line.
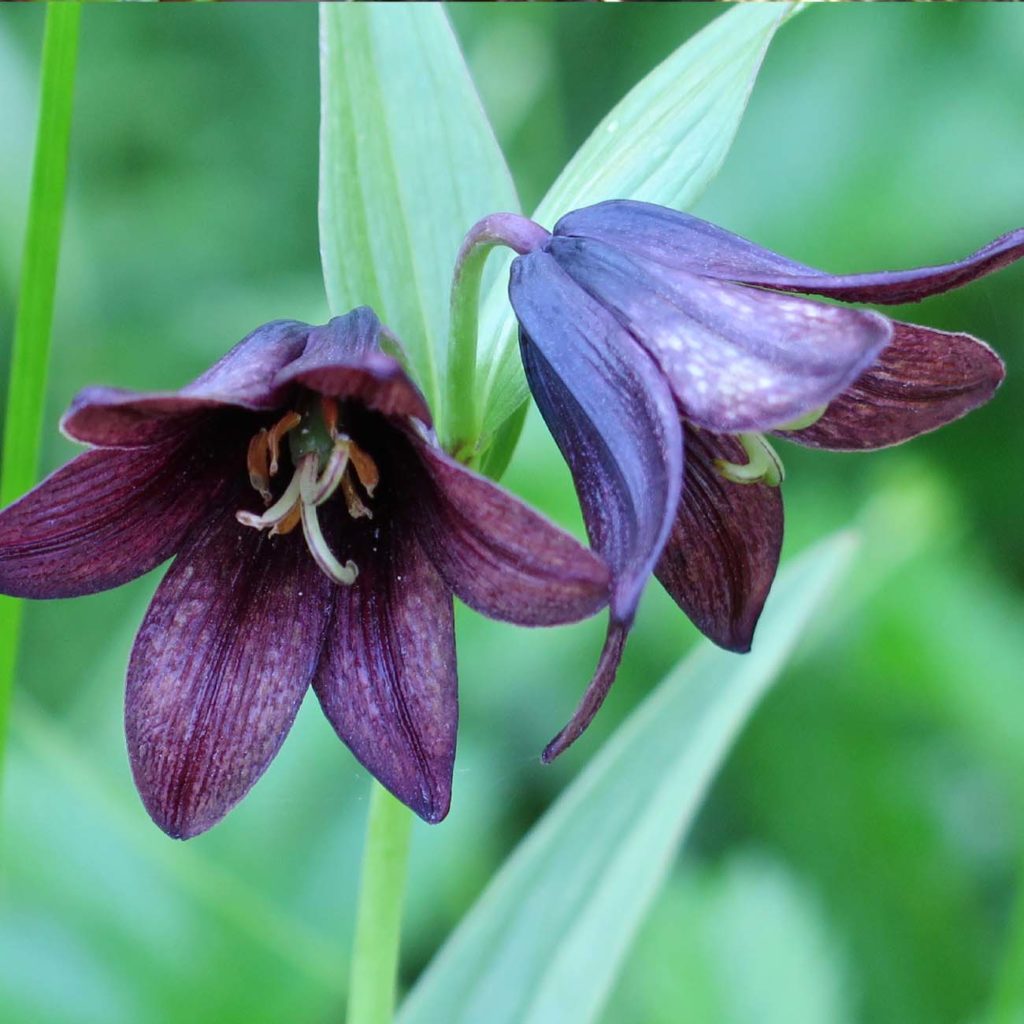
544	943
408	161
663	143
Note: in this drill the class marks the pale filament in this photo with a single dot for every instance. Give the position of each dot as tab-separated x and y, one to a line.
309	487
763	465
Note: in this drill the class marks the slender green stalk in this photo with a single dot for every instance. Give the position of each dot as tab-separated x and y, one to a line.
374	970
31	348
462	420
460	407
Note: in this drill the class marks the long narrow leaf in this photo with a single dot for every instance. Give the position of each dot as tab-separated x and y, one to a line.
408	161
544	943
663	143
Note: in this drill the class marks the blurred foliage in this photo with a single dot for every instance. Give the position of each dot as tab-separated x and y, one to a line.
859	857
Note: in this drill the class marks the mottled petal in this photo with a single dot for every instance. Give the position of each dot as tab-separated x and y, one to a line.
113	417
387	679
497	554
343	359
220	666
593	698
721	557
105	518
683	242
738	358
673	239
922	381
611	414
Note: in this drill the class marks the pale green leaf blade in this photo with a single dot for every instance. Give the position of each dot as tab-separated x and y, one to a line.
544	943
408	161
663	143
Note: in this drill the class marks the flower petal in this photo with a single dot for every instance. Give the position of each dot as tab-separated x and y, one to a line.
678	240
343	359
387	679
683	242
611	414
113	417
501	557
593	697
220	666
923	380
105	518
737	358
721	558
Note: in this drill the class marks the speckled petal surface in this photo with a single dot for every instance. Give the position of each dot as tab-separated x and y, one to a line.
737	358
922	381
721	558
105	518
387	679
683	242
219	668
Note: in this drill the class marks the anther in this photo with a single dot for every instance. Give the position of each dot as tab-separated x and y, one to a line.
356	508
366	469
256	460
289	421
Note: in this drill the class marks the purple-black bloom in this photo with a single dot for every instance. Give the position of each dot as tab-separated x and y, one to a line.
319	533
661	349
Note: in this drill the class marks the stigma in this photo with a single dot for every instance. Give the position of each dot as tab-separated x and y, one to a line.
325	461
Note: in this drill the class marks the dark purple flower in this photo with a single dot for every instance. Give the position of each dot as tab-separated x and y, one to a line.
647	334
297	432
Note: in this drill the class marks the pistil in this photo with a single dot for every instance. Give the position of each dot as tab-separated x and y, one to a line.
763	465
325	460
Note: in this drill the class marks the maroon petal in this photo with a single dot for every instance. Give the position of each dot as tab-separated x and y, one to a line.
923	380
721	558
343	359
387	679
593	698
737	358
683	242
105	518
219	669
500	557
611	414
112	417
610	411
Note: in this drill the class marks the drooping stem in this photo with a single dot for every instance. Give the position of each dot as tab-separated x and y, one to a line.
31	346
518	233
374	969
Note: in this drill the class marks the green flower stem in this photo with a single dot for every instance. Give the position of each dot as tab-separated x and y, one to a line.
31	348
374	970
461	413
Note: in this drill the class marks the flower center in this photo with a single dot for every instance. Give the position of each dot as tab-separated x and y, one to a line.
326	460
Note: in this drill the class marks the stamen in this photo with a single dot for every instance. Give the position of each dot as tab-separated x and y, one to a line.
322	554
807	420
366	469
289	421
763	466
256	460
277	513
331	415
289	522
356	508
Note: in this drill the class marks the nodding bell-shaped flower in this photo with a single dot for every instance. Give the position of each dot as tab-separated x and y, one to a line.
662	349
319	534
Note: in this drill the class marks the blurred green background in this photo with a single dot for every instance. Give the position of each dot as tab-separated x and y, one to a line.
859	858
